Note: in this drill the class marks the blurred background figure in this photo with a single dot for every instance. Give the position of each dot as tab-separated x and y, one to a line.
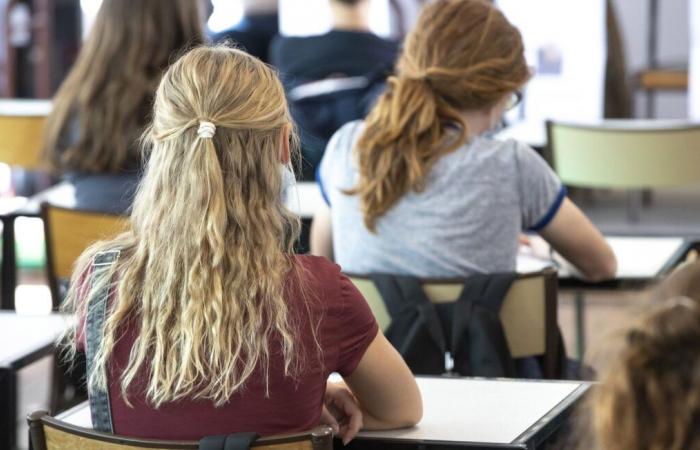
104	104
332	78
349	49
257	29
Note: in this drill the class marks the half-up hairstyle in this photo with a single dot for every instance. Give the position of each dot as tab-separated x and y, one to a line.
462	55
102	107
650	397
203	266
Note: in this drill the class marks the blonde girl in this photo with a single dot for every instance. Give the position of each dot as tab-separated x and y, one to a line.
211	324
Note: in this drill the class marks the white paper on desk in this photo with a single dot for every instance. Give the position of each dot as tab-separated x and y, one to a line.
480	410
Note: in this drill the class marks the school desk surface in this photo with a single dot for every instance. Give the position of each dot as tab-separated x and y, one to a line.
26	348
466	413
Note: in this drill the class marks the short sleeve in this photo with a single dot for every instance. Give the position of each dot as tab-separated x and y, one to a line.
356	329
336	161
541	191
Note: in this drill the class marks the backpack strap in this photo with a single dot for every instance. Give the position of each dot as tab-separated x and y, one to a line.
100	408
236	441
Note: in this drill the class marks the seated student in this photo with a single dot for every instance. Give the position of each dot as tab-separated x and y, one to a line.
213	325
420	189
102	107
255	32
348	50
649	398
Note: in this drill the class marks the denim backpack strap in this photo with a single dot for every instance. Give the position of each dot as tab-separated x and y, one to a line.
100	408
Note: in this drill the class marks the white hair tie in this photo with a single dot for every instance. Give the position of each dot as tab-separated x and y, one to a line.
206	130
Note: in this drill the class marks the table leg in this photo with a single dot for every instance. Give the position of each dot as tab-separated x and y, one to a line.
580	317
8	408
9	264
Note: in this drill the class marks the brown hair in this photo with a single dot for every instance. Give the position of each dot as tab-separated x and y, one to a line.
108	94
650	398
462	55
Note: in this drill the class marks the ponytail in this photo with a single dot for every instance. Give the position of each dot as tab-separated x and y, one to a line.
462	55
403	137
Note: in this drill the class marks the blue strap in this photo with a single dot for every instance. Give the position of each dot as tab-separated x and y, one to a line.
100	408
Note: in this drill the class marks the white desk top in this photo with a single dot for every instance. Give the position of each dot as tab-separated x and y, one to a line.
637	257
19	107
21	335
304	199
458	409
533	133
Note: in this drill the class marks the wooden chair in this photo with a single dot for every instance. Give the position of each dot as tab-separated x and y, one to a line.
528	314
47	433
21	143
68	233
631	155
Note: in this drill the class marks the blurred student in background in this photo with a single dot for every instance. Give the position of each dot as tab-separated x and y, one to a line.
649	398
333	78
349	49
102	107
255	32
420	189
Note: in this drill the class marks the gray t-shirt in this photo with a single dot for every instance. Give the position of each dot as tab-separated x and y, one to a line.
467	220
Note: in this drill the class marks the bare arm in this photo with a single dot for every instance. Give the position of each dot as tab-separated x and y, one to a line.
574	237
385	388
322	233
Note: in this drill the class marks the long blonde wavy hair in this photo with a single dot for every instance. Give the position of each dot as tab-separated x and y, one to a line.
462	55
108	93
203	266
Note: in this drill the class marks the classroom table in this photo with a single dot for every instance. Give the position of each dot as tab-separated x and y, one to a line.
531	132
465	413
640	260
26	352
25	107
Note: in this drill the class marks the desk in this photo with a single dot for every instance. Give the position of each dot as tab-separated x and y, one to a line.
25	108
465	413
533	133
640	260
26	352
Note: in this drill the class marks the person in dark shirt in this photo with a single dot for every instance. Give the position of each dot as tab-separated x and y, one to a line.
256	31
350	54
350	49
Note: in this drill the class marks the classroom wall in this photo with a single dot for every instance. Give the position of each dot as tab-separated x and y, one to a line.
673	41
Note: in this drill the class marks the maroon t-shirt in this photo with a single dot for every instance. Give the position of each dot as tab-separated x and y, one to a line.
344	326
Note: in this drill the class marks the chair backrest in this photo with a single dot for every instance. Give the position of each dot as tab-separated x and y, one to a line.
22	132
68	233
528	314
47	433
625	154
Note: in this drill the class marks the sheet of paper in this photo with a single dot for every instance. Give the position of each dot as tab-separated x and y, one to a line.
487	411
